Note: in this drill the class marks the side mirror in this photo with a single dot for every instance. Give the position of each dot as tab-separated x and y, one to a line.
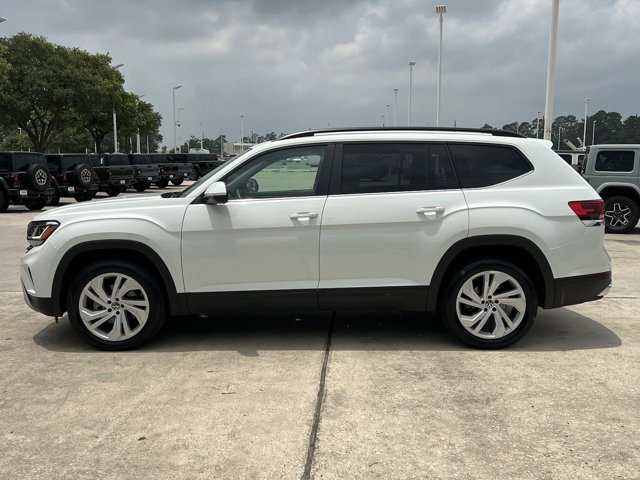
216	194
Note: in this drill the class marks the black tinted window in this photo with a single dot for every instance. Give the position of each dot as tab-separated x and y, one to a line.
566	157
614	161
115	160
385	167
4	161
484	165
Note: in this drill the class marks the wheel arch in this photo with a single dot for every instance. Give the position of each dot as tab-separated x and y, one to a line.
519	250
136	252
622	191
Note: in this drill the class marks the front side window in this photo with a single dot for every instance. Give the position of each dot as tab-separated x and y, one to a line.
291	172
615	161
395	167
484	165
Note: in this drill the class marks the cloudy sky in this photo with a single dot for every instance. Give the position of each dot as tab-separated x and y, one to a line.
289	65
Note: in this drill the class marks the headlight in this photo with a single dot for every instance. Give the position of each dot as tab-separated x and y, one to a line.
38	232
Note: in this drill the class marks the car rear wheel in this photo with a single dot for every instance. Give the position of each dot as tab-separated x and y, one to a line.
177	181
36	203
4	202
489	304
621	214
54	199
162	183
113	191
115	305
84	196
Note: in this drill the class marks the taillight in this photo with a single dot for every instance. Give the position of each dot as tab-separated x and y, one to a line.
137	171
591	212
160	169
108	172
16	179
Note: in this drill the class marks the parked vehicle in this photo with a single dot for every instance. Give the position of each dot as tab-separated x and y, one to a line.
575	158
24	180
187	172
612	170
203	163
167	170
481	227
114	172
145	172
72	176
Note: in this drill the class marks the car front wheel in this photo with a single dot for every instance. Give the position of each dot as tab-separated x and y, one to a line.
115	305
489	304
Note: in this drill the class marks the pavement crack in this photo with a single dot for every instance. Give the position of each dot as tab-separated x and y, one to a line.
313	434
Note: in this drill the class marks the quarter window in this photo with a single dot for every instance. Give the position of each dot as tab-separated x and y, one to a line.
614	161
485	165
399	167
292	172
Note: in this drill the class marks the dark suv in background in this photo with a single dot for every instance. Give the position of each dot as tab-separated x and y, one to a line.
24	180
72	176
114	171
145	172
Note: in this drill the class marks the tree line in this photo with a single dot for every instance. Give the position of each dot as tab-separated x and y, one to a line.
55	98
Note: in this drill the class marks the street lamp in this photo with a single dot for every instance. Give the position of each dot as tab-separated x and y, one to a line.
395	107
138	134
551	70
440	9
538	125
115	125
175	142
584	134
593	134
178	125
388	116
241	132
411	65
559	134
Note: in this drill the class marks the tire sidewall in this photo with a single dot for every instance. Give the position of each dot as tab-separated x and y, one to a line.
32	173
154	295
635	214
448	303
78	171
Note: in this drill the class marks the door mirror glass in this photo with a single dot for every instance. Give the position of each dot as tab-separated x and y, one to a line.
216	193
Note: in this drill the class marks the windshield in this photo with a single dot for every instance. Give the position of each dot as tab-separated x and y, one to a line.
191	188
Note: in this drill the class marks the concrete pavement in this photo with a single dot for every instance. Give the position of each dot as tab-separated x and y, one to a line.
237	397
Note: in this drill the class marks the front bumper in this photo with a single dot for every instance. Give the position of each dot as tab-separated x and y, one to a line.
580	289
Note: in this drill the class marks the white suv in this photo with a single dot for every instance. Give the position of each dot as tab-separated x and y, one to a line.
482	227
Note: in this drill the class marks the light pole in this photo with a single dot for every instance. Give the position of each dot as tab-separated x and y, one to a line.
559	134
411	65
584	134
538	125
593	134
178	125
395	107
382	119
241	132
388	116
551	70
175	142
138	134
115	124
221	144
441	10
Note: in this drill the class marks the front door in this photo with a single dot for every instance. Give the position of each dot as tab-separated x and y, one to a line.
260	249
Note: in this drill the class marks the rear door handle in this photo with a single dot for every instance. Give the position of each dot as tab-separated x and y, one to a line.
303	216
430	211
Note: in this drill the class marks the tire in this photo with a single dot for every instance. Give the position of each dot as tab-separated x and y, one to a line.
38	177
162	183
36	203
54	199
139	311
113	191
4	202
141	186
84	196
477	318
84	175
621	214
178	181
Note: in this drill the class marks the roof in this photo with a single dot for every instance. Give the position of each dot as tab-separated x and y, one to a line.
312	133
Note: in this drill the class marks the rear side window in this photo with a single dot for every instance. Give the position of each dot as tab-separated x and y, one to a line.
614	161
4	161
485	165
566	157
397	167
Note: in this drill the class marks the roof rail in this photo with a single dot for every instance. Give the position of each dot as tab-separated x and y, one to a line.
311	133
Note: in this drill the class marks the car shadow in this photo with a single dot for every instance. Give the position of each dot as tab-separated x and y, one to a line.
555	330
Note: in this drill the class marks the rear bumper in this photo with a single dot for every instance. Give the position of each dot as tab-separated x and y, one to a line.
584	288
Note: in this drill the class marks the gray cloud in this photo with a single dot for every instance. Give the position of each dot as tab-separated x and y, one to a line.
291	64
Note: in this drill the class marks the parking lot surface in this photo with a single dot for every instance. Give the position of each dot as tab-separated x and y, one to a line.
355	395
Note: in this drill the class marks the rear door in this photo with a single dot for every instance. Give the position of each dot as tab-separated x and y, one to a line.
393	211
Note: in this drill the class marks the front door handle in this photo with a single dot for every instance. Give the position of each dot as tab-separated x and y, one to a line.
430	212
303	216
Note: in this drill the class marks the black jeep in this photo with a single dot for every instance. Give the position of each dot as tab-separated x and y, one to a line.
145	172
114	171
24	180
73	176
